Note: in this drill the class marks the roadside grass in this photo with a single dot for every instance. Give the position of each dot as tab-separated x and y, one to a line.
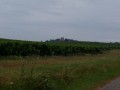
59	73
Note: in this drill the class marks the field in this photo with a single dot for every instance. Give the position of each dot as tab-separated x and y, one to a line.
85	72
61	48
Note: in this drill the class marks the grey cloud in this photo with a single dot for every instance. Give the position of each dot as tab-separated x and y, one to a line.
94	20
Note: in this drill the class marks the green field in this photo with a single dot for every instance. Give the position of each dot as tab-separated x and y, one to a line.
61	48
86	72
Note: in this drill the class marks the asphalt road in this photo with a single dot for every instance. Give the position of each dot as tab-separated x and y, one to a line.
113	85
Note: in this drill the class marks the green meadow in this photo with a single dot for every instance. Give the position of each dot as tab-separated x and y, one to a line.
85	72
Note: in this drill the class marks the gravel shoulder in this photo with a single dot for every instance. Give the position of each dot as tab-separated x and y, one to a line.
113	85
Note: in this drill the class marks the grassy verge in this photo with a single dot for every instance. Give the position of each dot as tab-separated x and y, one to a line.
59	73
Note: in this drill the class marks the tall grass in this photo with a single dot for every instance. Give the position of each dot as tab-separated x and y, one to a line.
59	73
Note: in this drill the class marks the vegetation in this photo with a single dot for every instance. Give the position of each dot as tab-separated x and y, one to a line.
59	73
61	48
83	68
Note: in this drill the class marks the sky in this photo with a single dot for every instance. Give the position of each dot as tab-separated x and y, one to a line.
83	20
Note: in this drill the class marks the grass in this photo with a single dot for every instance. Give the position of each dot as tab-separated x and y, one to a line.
59	73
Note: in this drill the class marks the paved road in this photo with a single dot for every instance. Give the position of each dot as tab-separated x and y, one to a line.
113	85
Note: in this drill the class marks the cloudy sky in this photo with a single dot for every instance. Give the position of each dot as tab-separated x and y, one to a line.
89	20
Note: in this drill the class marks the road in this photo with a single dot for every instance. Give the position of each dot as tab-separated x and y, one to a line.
113	85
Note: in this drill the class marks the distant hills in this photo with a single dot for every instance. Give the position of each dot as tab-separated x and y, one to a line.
62	39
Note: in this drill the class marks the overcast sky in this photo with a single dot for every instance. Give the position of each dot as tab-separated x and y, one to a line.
89	20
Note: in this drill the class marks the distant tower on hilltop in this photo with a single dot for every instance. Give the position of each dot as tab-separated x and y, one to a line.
62	39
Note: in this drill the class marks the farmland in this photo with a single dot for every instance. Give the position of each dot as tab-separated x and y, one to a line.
74	66
28	48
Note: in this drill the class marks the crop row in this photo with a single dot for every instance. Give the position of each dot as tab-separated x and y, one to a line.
50	49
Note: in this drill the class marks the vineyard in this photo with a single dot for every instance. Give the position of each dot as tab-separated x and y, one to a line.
72	65
27	48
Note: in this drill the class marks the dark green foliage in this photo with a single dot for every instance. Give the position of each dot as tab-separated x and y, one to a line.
27	48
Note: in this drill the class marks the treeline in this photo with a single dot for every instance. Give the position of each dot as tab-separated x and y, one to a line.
24	48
